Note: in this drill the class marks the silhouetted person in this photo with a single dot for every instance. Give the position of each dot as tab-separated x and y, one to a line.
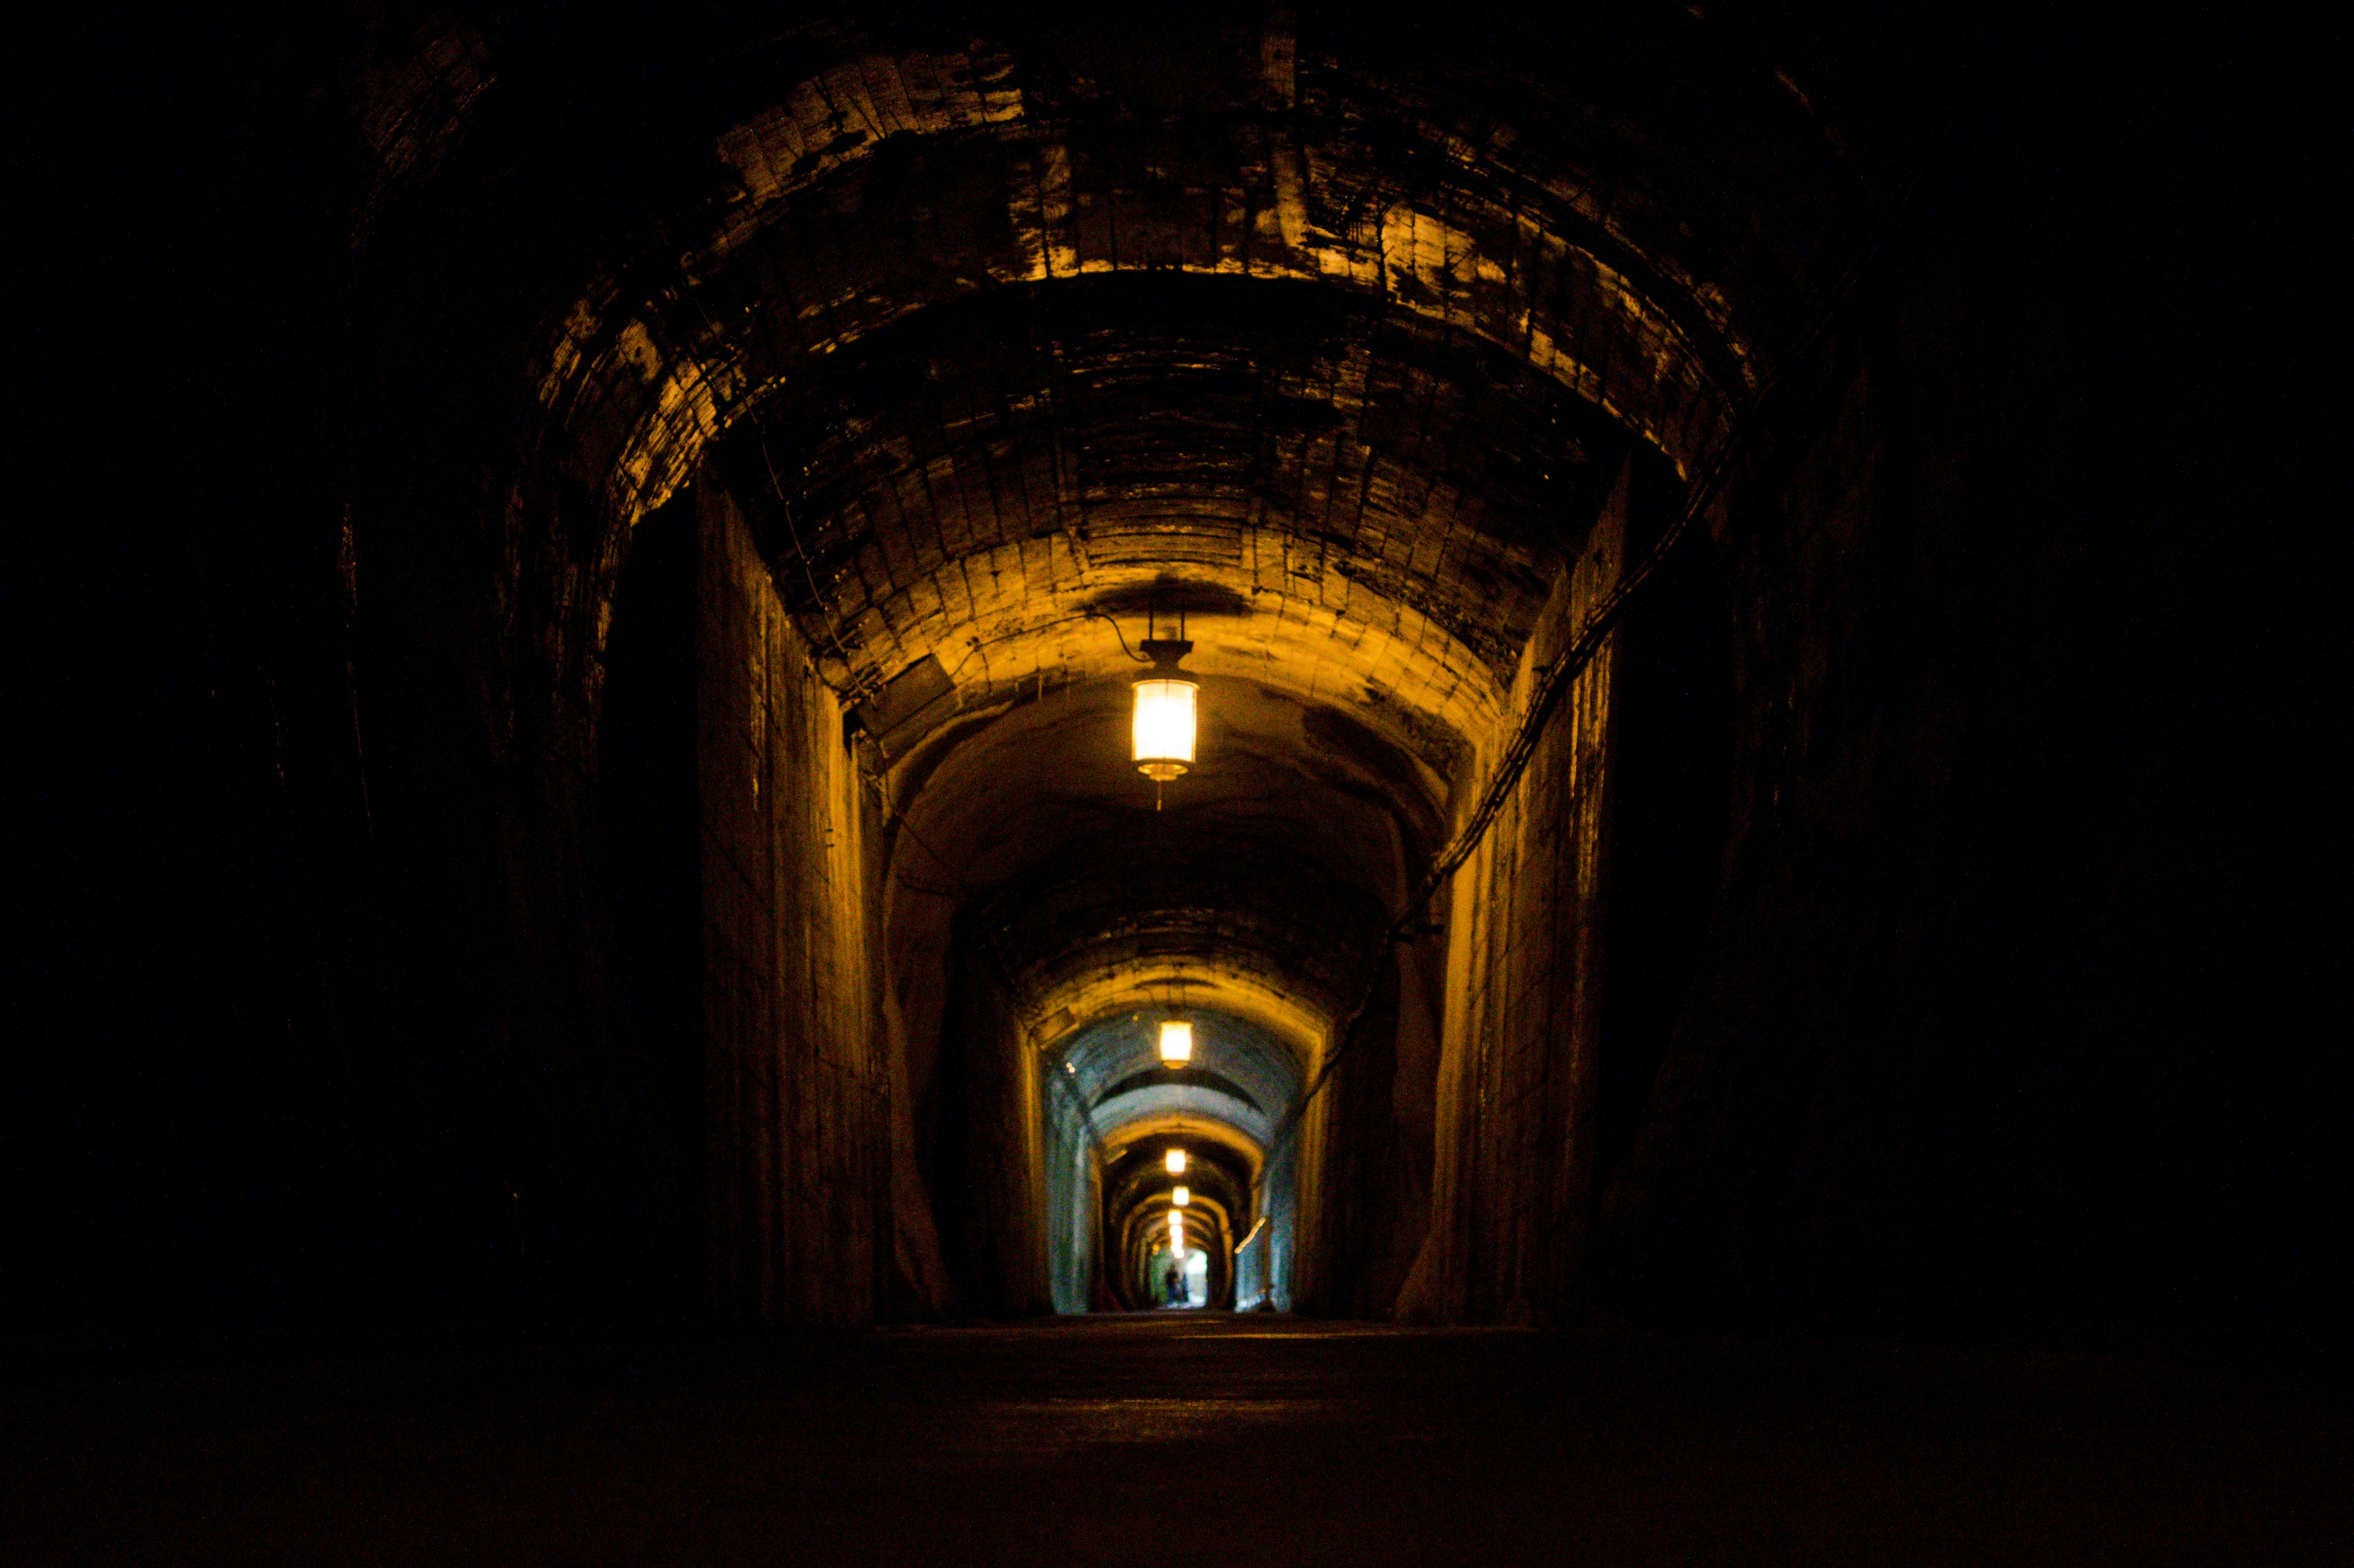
1173	1285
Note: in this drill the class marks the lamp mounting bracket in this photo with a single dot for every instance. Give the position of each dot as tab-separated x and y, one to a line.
1164	652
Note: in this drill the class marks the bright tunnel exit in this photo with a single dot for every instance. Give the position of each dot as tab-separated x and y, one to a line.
1168	1184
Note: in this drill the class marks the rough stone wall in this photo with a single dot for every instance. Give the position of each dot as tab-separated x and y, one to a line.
1366	1142
1264	1268
1315	1214
799	1103
1073	1181
987	1183
1523	995
1826	1142
1980	1041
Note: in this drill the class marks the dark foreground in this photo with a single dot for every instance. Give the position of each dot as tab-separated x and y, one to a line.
1203	1441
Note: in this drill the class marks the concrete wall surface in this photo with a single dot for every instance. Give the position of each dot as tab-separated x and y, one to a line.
799	1094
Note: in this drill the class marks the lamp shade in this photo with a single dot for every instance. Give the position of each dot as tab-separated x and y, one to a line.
1164	727
1175	1161
1182	1196
1176	1044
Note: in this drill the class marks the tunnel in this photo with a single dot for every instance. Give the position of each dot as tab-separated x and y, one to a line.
936	439
1035	907
1461	703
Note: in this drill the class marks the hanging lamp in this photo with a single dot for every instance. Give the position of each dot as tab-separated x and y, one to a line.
1176	1029
1161	736
1175	1161
1176	1042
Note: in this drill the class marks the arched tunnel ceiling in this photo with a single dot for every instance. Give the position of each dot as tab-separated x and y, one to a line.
1137	1187
1347	501
1332	337
1118	908
1336	321
1241	1077
1262	888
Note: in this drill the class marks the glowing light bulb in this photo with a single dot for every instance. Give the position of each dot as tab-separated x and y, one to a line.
1163	735
1182	1196
1176	1162
1176	1042
1177	1232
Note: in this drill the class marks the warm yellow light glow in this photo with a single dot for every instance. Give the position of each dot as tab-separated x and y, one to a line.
1176	1042
1177	1232
1164	727
1182	1196
1176	1162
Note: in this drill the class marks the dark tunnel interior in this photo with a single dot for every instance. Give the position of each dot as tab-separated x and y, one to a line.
1638	669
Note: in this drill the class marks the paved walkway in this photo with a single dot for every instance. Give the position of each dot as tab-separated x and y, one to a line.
1207	1441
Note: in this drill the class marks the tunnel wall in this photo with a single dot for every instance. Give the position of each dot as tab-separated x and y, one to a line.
1512	1192
1311	1147
987	1182
1364	1210
1073	1183
1859	1121
799	1100
1264	1269
1980	1042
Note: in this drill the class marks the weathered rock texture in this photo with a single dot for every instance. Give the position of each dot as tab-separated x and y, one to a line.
799	1114
1515	1183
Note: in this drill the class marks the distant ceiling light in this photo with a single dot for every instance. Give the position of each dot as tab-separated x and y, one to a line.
1176	1042
1177	1232
1182	1196
1175	1161
1163	732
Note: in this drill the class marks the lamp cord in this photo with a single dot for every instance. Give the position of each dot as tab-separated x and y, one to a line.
1115	632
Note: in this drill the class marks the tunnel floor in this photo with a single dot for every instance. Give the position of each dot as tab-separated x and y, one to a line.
1206	1438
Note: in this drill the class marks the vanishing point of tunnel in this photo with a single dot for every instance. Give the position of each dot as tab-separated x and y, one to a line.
1540	743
